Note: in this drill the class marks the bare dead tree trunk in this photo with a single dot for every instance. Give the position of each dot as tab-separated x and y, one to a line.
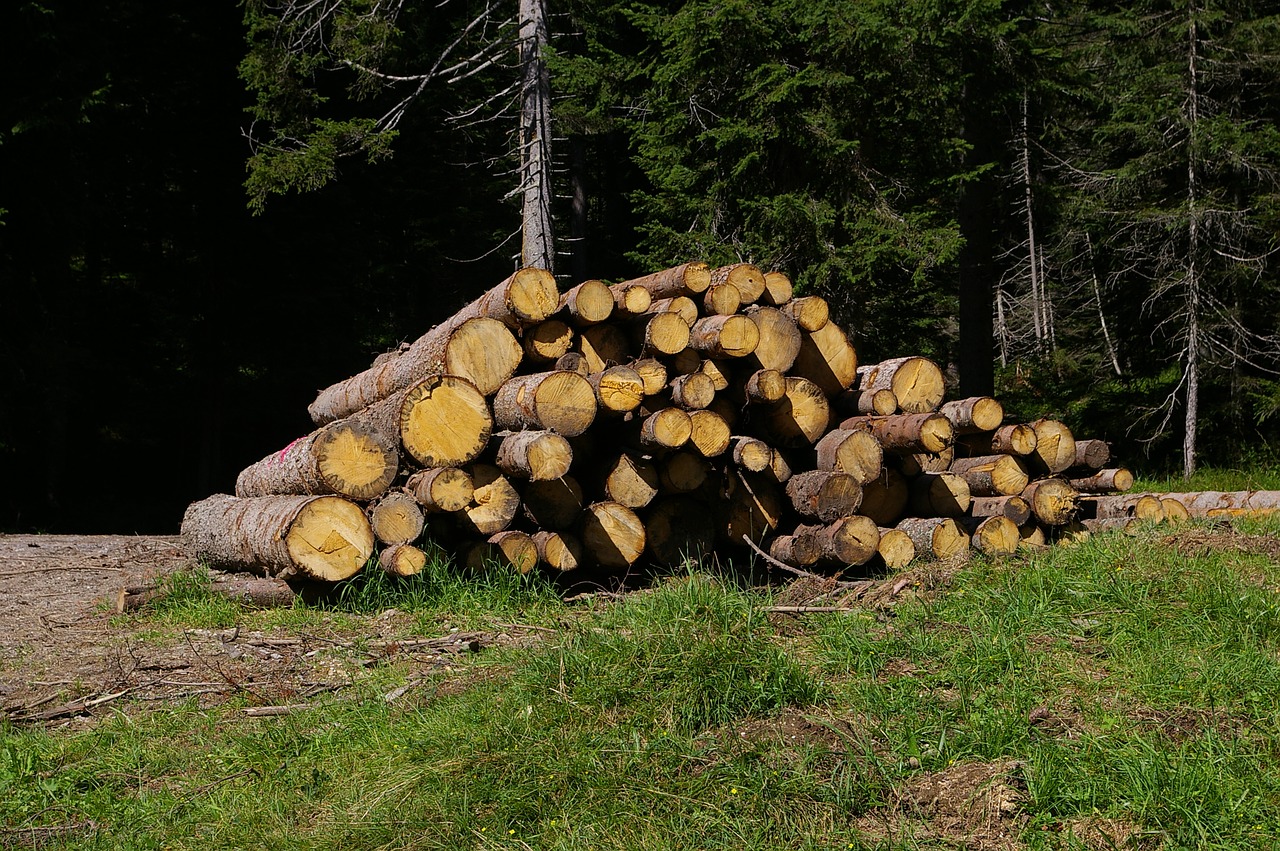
1038	312
538	246
1102	316
1193	249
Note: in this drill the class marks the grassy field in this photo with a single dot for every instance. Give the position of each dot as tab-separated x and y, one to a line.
1121	693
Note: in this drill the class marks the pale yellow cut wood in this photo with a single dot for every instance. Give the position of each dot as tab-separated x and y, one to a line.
494	502
993	536
896	549
441	489
547	342
936	537
396	518
801	417
589	303
780	339
752	454
1104	481
684	307
1033	537
534	455
709	433
851	451
1053	501
604	346
827	358
722	299
664	334
669	428
630	299
916	382
778	289
632	480
939	495
724	336
810	312
613	536
746	277
719	372
444	421
563	402
693	391
906	432
993	475
1016	439
845	542
558	550
765	386
402	560
348	458
1055	449
977	413
618	389
653	373
686	279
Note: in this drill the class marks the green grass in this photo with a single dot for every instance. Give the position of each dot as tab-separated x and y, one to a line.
1260	477
1131	684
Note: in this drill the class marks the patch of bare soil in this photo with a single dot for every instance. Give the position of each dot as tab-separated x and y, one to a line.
1222	537
67	658
973	805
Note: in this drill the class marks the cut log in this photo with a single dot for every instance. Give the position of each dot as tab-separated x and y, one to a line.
748	279
348	458
852	403
975	414
441	489
558	550
685	308
526	298
993	536
765	386
563	402
1017	439
719	372
612	535
851	451
1055	449
534	455
653	374
1015	508
494	502
884	498
733	336
693	391
480	350
260	592
547	342
313	537
844	542
779	469
553	505
824	495
779	339
1093	454
632	480
752	454
669	428
630	299
573	362
809	312
679	530
939	495
684	280
1139	506
915	381
402	560
915	463
722	299
754	507
682	472
801	417
618	389
1053	501
1032	536
1103	481
663	334
589	303
604	346
992	475
396	518
936	537
905	433
444	421
1259	503
508	550
709	433
827	358
896	549
778	289
1175	510
798	550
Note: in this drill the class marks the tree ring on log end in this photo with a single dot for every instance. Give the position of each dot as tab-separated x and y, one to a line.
445	421
356	460
330	539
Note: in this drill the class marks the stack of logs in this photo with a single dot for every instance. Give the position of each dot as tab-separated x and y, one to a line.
647	422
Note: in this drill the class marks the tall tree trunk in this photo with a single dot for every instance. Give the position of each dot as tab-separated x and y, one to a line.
538	246
1193	251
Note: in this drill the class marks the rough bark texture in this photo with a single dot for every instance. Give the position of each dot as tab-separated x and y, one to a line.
975	414
312	537
851	451
797	550
823	495
936	537
906	432
1093	454
347	458
563	402
1015	508
992	475
844	542
1103	481
683	280
1259	503
733	336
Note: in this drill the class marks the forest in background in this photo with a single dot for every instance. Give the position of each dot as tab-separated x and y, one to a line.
208	213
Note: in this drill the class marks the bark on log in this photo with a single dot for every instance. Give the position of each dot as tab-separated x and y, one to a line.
778	289
906	432
801	417
846	541
618	389
402	560
915	463
692	392
348	458
936	537
563	402
534	455
547	342
748	279
851	451
915	381
259	592
754	506
316	537
779	339
604	346
1053	501
765	386
797	550
975	414
823	495
993	536
752	454
992	475
444	421
1015	508
480	350
827	358
573	362
587	304
632	480
612	535
1258	503
553	505
494	502
396	518
733	336
896	549
939	495
1093	454
1143	506
1103	481
884	499
683	280
1017	439
1055	450
809	312
441	489
679	529
558	550
709	433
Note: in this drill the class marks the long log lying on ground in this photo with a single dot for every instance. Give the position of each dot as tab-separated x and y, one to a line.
261	592
1258	503
316	537
346	458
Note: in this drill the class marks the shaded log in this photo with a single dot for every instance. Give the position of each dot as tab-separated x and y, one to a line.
682	472
679	529
558	550
778	289
779	339
884	498
939	495
441	489
1055	449
801	417
508	550
534	455
719	372
852	403
632	480
604	346
709	433
1093	454
494	502
827	358
851	451
573	362
1017	439
554	505
1015	508
612	535
754	506
915	463
823	495
752	454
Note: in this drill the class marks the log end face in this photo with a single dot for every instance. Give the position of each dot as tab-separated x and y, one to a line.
330	539
445	421
565	403
483	351
532	295
356	460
